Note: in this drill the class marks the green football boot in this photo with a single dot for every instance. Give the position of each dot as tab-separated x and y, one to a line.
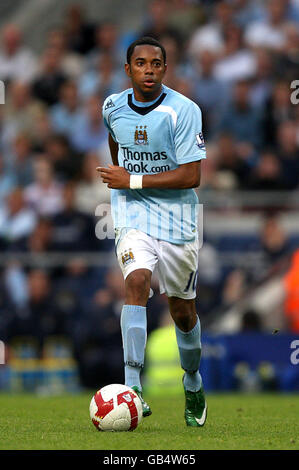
145	407
196	408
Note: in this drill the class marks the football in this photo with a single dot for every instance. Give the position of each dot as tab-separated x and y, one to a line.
115	407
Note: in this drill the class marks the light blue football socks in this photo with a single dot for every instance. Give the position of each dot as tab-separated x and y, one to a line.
133	328
189	345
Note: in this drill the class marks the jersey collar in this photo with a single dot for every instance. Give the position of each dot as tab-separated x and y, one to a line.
144	109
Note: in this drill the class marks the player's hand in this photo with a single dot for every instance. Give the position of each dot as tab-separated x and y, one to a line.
116	177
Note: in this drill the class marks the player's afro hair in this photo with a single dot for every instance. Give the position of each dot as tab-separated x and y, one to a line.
145	41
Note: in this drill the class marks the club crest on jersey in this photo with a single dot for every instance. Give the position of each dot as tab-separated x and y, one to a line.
200	141
127	258
141	135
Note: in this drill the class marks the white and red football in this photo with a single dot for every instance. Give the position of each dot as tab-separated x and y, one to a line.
115	407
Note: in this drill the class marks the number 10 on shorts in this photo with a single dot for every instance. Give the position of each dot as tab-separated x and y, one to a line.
191	284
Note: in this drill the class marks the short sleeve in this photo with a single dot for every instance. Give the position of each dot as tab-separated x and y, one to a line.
188	139
106	111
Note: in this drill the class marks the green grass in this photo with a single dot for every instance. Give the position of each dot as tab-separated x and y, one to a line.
234	422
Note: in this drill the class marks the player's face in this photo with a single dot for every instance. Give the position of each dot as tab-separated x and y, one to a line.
146	71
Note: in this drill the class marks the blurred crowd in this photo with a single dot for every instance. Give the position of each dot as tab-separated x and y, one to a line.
236	58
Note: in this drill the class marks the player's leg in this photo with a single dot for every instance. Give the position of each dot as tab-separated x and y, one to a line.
137	287
134	324
188	334
134	331
178	272
187	326
137	259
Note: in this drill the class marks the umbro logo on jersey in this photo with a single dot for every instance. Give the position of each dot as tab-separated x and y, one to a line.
141	137
110	104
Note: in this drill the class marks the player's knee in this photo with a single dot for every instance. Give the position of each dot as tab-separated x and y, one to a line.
183	319
138	285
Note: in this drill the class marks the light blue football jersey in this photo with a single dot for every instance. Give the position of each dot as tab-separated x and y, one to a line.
152	138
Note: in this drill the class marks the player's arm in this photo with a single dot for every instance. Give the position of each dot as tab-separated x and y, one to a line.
184	177
113	146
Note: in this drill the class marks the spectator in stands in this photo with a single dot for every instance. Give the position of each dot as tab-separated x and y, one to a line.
39	317
209	286
17	62
288	60
262	83
157	25
270	31
7	180
44	195
278	109
7	309
72	230
209	92
71	62
112	294
247	12
106	43
184	16
236	62
66	161
90	191
178	73
21	110
274	243
81	279
79	32
93	344
210	36
21	160
50	77
67	113
230	162
267	174
42	130
234	287
103	79
292	10
40	240
16	219
288	152
241	119
210	177
89	133
36	247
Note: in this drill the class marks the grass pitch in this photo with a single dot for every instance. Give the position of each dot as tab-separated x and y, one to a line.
234	422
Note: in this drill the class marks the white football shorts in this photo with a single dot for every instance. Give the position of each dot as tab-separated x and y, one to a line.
177	265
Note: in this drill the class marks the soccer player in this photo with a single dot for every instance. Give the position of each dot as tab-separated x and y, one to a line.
156	146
